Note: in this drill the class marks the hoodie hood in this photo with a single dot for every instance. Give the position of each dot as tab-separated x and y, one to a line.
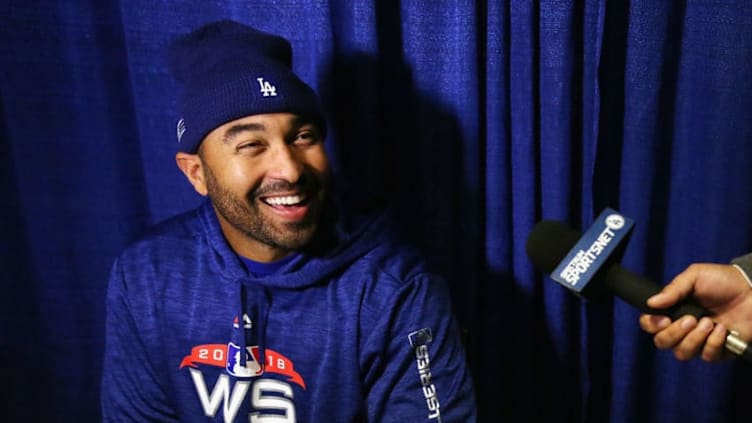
343	244
338	245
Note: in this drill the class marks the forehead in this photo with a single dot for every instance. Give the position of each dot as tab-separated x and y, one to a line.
263	122
268	123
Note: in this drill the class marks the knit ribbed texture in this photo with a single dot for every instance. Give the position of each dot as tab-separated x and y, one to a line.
230	70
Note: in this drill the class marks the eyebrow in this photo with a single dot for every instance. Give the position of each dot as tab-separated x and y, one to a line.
234	130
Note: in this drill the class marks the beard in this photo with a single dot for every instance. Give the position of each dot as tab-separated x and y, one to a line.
246	216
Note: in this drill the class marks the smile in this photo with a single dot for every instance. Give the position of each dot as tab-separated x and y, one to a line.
286	200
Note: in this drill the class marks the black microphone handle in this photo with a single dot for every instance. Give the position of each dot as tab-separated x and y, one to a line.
547	246
635	290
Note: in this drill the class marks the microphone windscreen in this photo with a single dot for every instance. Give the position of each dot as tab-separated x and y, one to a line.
548	244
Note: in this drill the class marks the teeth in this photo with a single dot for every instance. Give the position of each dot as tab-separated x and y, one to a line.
284	201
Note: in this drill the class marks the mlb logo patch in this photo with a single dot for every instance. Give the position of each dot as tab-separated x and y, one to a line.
234	366
420	337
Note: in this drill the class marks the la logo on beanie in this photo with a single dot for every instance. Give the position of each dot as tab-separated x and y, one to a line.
266	88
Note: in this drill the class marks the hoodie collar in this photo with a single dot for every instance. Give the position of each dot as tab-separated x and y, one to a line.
306	267
343	246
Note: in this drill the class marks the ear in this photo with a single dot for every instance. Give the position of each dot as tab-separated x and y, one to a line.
193	169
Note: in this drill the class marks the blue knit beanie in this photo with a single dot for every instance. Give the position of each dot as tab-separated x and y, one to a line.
230	70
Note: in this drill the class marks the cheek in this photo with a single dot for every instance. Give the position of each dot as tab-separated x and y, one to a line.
318	161
237	176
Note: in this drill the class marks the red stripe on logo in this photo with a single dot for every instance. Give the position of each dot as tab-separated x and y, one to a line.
211	354
216	355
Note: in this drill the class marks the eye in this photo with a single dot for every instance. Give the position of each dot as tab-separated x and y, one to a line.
248	146
306	137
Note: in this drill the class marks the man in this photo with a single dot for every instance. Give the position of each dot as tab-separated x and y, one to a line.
261	305
724	290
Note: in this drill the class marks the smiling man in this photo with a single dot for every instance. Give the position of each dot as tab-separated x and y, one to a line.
262	305
266	176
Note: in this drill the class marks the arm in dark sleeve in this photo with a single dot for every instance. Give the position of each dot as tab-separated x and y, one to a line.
131	388
415	368
744	263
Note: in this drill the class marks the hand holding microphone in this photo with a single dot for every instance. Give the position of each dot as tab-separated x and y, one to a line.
588	267
721	289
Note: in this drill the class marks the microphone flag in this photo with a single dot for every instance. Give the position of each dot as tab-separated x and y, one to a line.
596	246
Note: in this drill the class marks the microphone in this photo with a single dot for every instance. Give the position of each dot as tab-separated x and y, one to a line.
554	248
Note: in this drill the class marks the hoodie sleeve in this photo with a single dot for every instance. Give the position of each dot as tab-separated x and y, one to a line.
744	263
413	362
131	390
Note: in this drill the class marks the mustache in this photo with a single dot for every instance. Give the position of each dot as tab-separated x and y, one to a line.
306	184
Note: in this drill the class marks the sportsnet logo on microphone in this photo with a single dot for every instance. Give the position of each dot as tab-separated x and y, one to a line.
592	250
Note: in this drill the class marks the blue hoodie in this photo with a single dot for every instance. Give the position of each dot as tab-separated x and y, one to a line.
358	333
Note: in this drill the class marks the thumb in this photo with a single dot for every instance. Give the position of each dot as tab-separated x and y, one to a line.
680	287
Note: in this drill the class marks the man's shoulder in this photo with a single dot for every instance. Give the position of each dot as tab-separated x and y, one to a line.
173	236
393	265
392	274
170	256
386	253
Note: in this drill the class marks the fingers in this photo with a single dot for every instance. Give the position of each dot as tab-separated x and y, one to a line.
714	345
674	334
653	324
694	341
687	337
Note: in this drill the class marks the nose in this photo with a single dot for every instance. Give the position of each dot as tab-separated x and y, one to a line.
286	164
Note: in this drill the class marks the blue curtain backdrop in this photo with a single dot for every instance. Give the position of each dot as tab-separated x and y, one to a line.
475	119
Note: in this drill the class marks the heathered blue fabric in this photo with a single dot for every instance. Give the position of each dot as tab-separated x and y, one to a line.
340	321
